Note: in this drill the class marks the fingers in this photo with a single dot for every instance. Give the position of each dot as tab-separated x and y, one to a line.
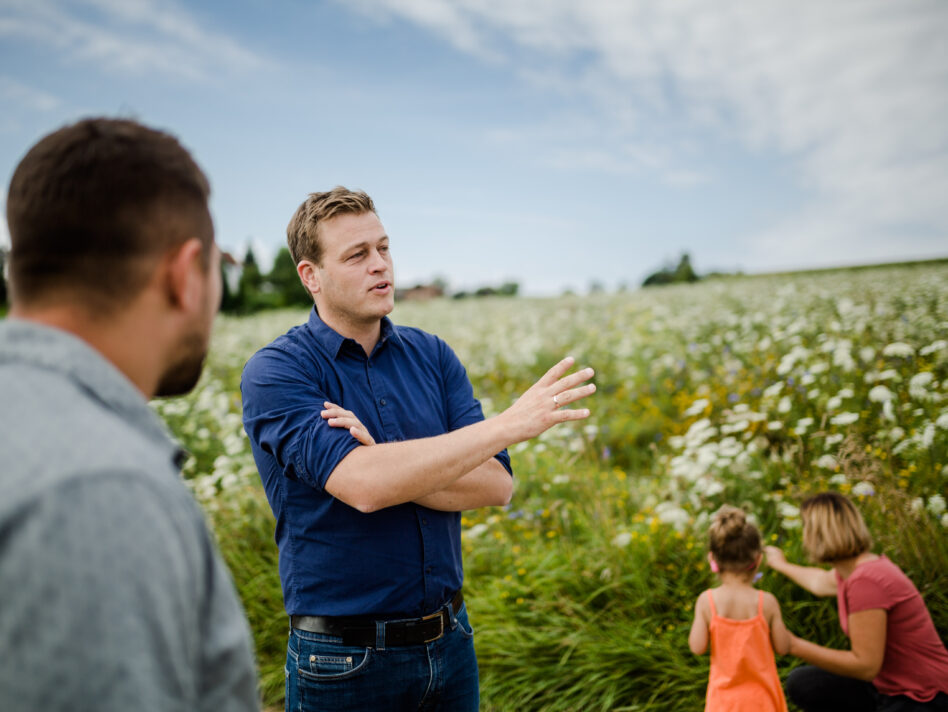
362	435
557	371
575	394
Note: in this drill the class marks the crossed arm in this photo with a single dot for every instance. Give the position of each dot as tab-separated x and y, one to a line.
456	470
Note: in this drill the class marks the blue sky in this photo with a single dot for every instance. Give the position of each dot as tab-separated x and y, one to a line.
552	142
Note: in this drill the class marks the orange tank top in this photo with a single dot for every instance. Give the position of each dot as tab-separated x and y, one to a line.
743	669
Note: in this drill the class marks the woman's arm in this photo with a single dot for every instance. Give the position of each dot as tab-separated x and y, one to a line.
819	582
867	647
698	637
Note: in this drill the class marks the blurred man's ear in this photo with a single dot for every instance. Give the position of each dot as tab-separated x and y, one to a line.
184	273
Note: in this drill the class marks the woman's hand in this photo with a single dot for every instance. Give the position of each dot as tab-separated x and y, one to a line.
775	557
339	417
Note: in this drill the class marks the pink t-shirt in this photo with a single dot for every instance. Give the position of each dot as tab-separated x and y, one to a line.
915	662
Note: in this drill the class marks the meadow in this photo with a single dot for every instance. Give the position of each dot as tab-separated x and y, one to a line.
755	391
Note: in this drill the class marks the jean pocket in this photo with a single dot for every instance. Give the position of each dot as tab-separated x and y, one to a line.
464	625
323	662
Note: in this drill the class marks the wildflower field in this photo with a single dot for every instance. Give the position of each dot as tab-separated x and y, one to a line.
755	391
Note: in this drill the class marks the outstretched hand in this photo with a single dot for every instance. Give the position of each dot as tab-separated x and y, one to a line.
775	557
541	406
339	417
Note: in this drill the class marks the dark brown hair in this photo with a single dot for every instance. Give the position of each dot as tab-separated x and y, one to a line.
302	233
833	529
735	542
92	205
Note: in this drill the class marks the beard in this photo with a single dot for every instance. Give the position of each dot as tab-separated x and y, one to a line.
183	373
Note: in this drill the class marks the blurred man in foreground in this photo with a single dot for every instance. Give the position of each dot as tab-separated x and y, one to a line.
112	593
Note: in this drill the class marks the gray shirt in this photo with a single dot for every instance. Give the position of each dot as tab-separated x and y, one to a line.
112	593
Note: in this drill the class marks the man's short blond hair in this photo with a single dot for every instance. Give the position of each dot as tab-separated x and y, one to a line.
302	234
833	529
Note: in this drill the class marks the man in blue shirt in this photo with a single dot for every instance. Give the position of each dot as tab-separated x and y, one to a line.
370	443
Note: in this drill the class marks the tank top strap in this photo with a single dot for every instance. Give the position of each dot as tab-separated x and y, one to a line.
760	603
714	613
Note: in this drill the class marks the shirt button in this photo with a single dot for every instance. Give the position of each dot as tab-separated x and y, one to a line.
381	401
428	570
425	522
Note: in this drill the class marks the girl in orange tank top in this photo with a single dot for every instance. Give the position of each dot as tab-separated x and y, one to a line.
743	625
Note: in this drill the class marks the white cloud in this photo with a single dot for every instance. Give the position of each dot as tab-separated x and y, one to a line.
852	93
135	37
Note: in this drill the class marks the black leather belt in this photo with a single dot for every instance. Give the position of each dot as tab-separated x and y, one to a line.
363	630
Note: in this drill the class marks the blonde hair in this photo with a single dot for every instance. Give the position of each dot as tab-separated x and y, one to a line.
833	529
302	234
735	542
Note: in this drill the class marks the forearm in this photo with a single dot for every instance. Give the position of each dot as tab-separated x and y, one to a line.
488	485
386	474
817	581
840	662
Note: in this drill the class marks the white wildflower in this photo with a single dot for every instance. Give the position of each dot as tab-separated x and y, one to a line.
936	504
697	407
622	539
833	439
867	353
827	462
933	347
864	489
834	403
880	394
774	425
918	386
475	531
787	510
773	391
844	419
898	349
785	405
838	479
944	520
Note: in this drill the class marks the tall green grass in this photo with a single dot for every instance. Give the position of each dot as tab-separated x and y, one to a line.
581	590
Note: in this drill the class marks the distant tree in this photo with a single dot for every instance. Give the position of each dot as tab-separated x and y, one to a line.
250	293
684	272
285	281
508	289
230	300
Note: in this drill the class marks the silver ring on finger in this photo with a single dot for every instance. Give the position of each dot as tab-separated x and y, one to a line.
555	401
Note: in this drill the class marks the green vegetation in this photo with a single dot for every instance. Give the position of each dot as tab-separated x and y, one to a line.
748	391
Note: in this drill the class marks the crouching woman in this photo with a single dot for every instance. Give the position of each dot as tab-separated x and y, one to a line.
896	661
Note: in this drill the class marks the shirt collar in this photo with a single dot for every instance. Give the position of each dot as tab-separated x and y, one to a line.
62	352
333	342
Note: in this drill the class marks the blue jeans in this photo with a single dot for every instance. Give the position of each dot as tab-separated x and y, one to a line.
325	675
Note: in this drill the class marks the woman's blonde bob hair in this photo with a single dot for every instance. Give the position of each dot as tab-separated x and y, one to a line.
833	529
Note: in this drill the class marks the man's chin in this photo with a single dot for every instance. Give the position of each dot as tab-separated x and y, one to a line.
180	381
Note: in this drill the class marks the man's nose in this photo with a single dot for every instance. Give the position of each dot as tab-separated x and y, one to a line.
378	263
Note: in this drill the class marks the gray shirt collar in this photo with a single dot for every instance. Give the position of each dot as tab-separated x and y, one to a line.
44	347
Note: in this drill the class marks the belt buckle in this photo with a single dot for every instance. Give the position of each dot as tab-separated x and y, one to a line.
440	616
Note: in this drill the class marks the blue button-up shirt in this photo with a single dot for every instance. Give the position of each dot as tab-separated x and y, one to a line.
335	560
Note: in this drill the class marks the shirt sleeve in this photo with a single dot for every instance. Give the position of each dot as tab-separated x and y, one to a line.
282	400
108	587
868	592
461	405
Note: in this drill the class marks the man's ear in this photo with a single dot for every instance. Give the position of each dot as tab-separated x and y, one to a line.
184	274
309	276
